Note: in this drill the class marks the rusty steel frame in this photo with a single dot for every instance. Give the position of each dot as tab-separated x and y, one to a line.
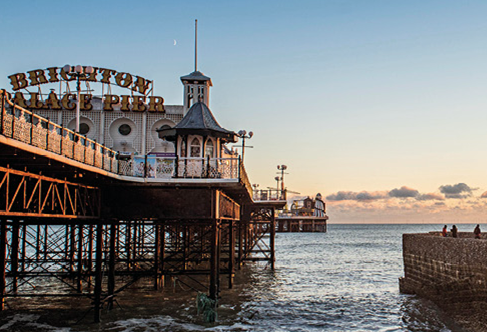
257	237
52	229
25	194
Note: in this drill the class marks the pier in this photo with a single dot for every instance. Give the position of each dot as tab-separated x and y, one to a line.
94	222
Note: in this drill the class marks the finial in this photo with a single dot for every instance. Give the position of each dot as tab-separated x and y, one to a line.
195	45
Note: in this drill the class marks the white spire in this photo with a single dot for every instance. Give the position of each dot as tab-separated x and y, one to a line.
195	45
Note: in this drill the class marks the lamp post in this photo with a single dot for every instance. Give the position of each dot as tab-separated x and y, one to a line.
255	186
243	135
282	168
78	72
277	178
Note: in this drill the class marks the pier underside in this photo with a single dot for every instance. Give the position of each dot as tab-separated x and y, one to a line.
72	224
66	239
302	224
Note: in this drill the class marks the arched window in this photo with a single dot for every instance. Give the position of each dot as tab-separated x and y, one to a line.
210	149
183	148
164	127
195	148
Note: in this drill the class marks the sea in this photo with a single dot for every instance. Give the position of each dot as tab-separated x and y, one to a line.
342	280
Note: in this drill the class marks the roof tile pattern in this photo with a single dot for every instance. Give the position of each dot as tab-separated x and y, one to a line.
199	116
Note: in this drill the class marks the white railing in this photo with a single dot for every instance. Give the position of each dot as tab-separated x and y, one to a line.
269	195
173	167
25	126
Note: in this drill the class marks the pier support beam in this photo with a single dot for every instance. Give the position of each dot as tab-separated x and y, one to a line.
272	240
79	271
14	254
231	253
98	270
111	265
214	261
3	261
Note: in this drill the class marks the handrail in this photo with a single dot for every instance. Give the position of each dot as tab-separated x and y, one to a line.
153	166
28	127
25	126
269	195
245	179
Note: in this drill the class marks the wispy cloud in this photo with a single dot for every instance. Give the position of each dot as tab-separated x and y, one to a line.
357	196
430	196
455	200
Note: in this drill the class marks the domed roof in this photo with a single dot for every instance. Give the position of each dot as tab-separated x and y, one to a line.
199	121
196	76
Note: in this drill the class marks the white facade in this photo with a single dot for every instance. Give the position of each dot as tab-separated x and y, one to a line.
134	132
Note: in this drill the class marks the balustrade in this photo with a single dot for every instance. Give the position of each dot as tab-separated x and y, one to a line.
268	195
172	167
27	127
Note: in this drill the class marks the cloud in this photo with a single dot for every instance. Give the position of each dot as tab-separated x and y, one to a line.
355	196
403	192
459	190
484	195
430	196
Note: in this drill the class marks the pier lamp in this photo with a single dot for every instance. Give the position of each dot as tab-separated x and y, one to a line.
282	168
277	178
243	135
78	72
255	186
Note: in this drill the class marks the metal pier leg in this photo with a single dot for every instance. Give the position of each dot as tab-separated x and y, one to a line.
3	261
157	256
90	253
231	253
14	254
80	259
214	262
22	257
219	253
272	239
162	256
128	239
240	243
111	265
72	247
98	270
38	242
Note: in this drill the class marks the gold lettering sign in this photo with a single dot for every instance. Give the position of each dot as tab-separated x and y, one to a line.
37	77
52	102
156	104
18	81
66	101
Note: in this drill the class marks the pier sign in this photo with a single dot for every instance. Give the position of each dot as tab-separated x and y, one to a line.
140	102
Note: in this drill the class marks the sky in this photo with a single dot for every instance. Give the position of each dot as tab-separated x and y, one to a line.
379	105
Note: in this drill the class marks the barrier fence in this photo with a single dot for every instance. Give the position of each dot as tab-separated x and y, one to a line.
25	126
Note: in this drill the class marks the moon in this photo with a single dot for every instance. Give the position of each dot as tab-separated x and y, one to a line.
175	42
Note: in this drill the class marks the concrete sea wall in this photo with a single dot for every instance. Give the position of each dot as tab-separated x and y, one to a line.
452	272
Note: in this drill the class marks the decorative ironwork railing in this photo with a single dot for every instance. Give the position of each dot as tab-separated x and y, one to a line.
245	179
25	126
269	195
174	167
228	208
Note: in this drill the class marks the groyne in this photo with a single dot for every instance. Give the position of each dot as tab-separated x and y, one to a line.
452	272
